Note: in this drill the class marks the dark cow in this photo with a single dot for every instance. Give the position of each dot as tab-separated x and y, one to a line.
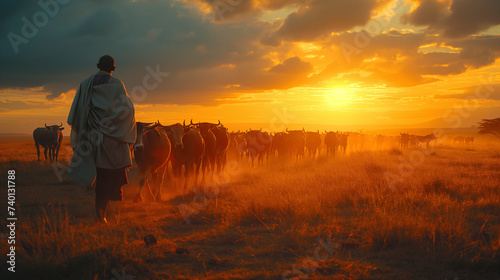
232	148
343	141
405	140
221	146
258	144
357	141
151	151
209	155
380	140
50	138
469	140
278	145
425	139
331	142
296	143
459	139
313	141
187	149
237	145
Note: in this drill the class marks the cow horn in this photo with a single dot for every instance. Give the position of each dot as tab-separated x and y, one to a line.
61	125
46	125
286	130
184	123
317	131
260	129
219	122
192	122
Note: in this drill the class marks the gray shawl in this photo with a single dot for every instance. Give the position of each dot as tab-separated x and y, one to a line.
98	111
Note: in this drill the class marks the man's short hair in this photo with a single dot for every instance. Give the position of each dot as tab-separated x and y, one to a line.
106	63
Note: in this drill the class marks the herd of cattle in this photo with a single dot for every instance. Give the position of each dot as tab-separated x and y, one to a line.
463	140
206	147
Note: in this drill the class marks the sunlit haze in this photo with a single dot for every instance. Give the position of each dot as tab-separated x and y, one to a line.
353	65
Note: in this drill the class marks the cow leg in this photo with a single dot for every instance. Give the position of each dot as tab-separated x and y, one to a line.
219	164
212	168
143	181
175	172
57	151
198	163
161	178
37	151
51	154
157	186
45	153
204	163
187	171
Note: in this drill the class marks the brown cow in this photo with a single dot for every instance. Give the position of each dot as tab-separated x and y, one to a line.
405	140
50	138
331	142
313	141
258	144
209	155
151	152
343	141
296	143
221	146
188	147
278	145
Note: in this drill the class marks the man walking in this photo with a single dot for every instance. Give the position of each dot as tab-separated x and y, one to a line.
102	127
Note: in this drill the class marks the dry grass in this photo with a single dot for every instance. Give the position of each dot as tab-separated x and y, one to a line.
440	222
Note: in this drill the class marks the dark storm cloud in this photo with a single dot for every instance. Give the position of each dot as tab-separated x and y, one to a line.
455	18
292	65
160	34
428	12
229	10
209	59
321	17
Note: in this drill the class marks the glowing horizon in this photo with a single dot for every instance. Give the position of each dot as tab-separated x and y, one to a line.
382	64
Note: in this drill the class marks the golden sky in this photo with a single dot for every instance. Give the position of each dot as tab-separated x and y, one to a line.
269	64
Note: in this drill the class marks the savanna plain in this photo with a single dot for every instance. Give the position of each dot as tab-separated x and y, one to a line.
377	213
